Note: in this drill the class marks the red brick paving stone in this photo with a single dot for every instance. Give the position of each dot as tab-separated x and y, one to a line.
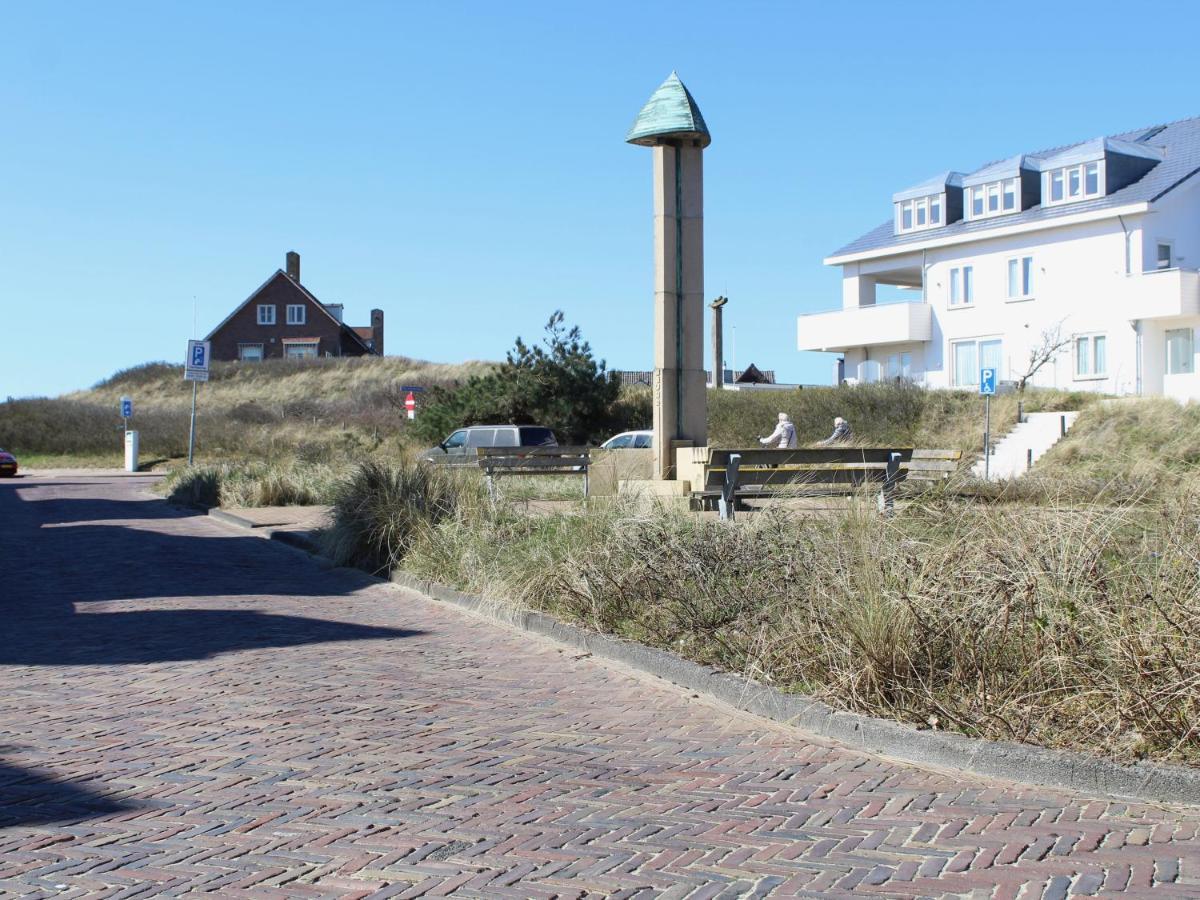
185	706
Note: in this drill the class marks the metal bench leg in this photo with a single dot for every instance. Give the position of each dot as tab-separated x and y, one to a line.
728	501
887	494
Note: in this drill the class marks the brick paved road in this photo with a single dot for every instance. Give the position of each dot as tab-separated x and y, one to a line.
185	707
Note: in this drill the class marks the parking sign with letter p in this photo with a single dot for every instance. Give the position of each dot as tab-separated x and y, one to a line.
197	361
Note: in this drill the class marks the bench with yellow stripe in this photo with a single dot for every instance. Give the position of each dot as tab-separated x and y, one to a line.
730	474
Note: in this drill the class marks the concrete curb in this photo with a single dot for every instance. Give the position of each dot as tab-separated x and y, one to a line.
296	539
999	759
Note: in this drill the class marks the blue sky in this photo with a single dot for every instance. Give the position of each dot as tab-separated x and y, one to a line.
462	166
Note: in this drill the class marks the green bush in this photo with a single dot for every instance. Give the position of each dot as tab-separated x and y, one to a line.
560	386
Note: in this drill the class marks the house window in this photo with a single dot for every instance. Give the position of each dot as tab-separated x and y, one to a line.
300	350
1091	356
266	314
976	202
1010	194
1020	278
923	212
1181	347
1164	255
295	314
962	286
250	352
972	356
1072	183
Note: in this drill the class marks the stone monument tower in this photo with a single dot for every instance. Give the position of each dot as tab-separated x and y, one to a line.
671	124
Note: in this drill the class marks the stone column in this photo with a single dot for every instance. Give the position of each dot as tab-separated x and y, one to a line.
679	384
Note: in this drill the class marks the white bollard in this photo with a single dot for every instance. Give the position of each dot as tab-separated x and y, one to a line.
131	451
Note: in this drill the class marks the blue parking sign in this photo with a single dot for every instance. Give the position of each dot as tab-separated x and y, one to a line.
987	381
126	407
198	355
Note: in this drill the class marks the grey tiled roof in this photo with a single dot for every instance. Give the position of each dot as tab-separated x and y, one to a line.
1179	140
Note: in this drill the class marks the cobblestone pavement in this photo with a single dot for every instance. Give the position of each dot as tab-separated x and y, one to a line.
185	707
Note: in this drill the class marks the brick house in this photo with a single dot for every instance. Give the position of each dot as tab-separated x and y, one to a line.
283	319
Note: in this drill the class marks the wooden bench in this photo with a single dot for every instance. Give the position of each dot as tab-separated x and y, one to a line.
497	461
734	474
931	465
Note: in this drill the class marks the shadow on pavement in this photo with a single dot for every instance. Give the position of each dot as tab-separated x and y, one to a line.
30	797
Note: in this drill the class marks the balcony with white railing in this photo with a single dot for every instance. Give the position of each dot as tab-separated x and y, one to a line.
865	326
1164	293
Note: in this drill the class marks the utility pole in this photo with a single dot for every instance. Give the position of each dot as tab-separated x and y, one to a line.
718	349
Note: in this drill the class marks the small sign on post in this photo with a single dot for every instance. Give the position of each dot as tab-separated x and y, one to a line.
195	370
987	382
410	405
197	361
987	387
127	408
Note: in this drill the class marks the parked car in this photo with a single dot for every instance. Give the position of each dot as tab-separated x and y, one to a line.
459	447
8	464
627	439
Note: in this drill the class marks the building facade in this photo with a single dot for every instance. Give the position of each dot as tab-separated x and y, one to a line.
282	319
1091	248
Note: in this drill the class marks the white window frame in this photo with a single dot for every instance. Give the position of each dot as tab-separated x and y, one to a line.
266	314
989	192
261	352
1092	371
1170	245
296	319
1064	173
1188	360
961	277
918	208
1024	282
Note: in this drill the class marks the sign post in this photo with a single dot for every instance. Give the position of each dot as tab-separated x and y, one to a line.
987	387
410	404
126	410
195	371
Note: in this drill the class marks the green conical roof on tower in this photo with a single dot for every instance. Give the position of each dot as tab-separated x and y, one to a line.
669	113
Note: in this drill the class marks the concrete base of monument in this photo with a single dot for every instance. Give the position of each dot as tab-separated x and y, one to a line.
654	488
651	494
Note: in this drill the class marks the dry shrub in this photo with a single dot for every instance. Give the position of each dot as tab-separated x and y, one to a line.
1063	626
379	510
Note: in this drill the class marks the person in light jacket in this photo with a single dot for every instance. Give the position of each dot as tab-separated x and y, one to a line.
841	432
784	435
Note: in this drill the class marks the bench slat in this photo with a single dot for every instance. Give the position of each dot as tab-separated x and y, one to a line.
937	454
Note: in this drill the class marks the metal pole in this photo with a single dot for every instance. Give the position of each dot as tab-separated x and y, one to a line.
1062	426
987	436
1028	459
192	429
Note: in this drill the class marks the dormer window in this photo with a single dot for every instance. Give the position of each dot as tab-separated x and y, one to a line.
1071	183
919	213
993	198
1095	168
931	204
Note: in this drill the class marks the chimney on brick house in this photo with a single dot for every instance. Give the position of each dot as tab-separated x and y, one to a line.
377	331
293	266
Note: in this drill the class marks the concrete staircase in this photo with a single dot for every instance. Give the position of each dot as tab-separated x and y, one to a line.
1039	432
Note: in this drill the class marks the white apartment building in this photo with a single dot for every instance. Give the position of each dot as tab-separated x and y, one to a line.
1097	241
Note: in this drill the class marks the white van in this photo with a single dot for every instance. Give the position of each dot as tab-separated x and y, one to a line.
459	447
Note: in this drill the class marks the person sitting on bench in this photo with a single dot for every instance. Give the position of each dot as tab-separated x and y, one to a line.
784	435
841	432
